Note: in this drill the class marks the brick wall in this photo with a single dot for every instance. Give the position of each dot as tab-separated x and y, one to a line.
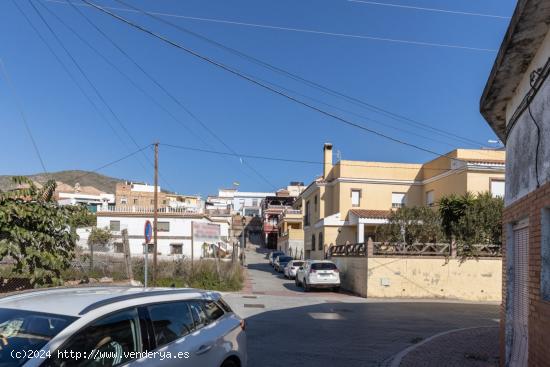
530	207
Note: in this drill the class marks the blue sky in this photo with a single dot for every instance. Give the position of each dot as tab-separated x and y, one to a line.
439	86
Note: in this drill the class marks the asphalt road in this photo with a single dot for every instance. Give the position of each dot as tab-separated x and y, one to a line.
287	327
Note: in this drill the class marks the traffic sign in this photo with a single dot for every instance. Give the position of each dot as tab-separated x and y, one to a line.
148	231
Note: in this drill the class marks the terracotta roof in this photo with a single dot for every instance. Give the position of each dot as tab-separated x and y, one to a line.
366	213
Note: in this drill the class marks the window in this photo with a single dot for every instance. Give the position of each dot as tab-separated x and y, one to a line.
199	314
213	311
176	248
115	338
321	241
497	188
171	321
545	255
119	247
150	248
164	202
397	199
355	197
254	202
430	198
163	226
24	330
152	202
315	202
135	201
313	242
114	225
306	219
123	200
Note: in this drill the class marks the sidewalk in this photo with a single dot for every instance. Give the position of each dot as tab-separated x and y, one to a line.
473	347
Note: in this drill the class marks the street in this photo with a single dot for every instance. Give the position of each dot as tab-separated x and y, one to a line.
287	327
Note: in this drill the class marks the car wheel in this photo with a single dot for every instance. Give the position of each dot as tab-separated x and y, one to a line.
306	286
296	282
336	289
230	363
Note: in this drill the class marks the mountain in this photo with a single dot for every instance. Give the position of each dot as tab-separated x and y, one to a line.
84	178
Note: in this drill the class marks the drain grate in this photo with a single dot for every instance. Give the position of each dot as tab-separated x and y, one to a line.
258	292
250	297
253	305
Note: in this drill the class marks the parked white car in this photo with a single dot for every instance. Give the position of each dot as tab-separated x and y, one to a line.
292	267
318	274
120	326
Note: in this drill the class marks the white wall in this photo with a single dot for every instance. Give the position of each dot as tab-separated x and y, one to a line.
180	233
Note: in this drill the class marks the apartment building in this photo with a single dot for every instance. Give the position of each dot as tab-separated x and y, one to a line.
233	201
291	233
352	198
516	104
141	195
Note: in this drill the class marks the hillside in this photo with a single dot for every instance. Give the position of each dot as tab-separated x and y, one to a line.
99	181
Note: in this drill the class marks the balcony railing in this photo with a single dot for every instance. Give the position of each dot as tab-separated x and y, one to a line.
146	209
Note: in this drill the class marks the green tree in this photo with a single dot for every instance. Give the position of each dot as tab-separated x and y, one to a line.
411	225
35	232
98	237
451	209
472	220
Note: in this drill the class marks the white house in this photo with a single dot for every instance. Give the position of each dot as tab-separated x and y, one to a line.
176	235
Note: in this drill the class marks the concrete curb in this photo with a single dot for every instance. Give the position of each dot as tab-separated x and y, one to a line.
396	361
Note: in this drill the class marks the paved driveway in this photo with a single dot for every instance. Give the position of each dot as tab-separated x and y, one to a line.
287	327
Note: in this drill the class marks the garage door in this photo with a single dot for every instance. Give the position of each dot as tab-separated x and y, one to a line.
520	297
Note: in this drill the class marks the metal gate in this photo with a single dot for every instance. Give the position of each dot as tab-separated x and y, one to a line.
520	296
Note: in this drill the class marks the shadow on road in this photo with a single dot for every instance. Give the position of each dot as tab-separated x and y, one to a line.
352	334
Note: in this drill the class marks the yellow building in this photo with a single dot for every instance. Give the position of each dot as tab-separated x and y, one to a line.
291	233
353	197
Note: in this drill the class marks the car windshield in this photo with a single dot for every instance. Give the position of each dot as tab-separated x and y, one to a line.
297	263
323	266
26	330
284	259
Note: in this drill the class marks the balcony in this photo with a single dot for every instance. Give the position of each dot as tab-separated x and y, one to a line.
147	209
269	227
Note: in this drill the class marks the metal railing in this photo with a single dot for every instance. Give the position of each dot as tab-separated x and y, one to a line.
146	209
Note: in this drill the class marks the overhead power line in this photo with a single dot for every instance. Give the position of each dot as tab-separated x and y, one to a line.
114	162
299	161
92	85
317	86
19	104
256	82
312	31
430	9
166	91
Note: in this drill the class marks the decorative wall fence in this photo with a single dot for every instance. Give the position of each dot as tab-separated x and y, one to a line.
415	249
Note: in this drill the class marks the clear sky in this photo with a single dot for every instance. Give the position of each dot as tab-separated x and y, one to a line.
436	85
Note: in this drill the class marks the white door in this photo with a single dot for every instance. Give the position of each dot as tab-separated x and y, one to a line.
520	297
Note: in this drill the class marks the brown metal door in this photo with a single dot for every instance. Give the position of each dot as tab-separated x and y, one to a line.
520	297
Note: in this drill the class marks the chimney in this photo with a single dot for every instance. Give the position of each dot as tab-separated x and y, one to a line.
327	159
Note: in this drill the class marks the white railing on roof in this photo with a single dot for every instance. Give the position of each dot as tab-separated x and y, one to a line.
147	209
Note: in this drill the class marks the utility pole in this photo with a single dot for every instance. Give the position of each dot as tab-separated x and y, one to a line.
156	214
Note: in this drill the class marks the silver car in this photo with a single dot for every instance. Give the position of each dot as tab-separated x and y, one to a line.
120	326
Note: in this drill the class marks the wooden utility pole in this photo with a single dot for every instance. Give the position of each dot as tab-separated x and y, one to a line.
127	255
156	214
